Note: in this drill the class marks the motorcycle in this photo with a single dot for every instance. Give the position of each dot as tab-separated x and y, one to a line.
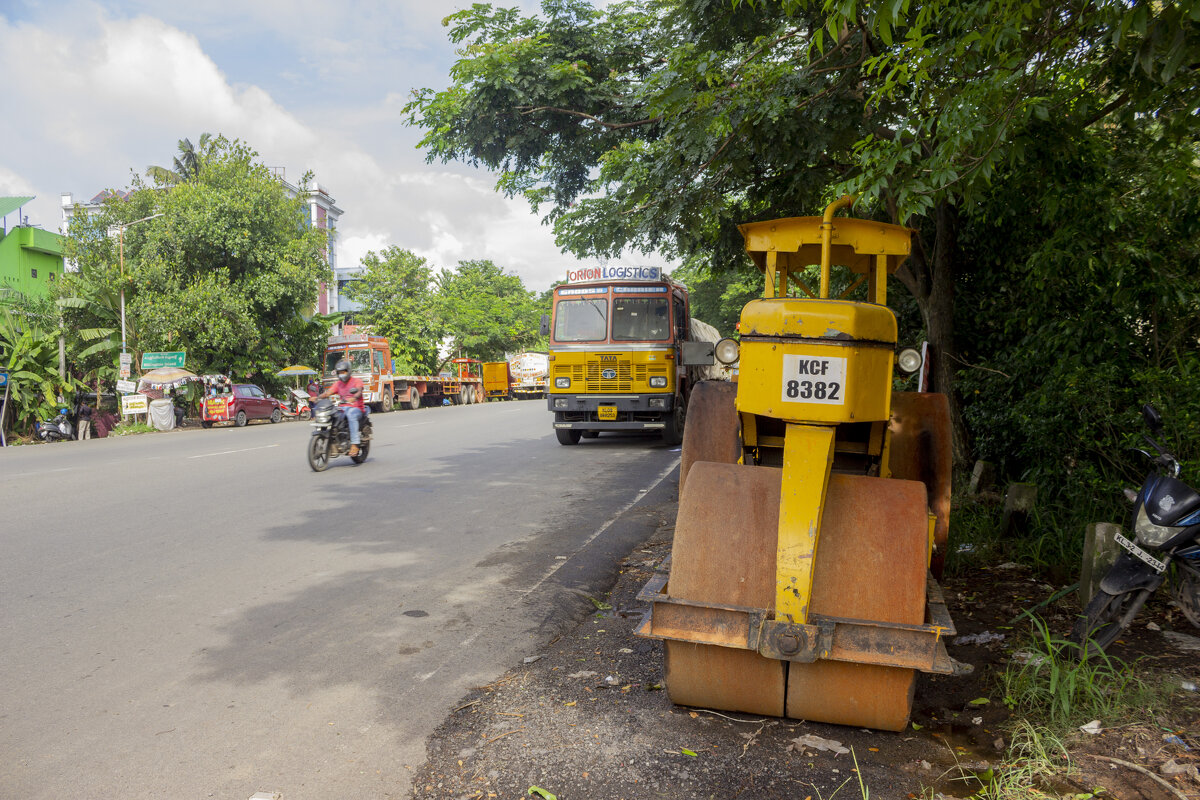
1166	527
58	429
331	437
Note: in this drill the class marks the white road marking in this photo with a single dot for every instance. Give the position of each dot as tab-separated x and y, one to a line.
670	467
227	452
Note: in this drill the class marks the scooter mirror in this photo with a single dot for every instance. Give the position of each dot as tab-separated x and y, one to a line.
1153	418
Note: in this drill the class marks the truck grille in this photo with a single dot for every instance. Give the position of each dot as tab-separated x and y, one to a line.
591	375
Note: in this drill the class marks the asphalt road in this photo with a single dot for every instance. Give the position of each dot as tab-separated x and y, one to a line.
197	614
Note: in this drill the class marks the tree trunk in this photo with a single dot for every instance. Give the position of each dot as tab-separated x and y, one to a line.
930	278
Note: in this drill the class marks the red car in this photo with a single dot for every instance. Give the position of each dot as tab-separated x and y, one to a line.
242	403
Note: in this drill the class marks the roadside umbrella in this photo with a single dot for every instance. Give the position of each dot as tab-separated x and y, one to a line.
295	371
166	376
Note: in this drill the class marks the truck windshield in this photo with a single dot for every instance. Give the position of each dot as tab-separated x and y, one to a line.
360	360
640	319
581	320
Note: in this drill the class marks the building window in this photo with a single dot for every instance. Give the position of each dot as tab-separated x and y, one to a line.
33	273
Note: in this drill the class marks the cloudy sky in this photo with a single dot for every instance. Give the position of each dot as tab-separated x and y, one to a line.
97	89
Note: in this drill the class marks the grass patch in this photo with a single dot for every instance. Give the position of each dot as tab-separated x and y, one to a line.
1053	686
131	428
1053	547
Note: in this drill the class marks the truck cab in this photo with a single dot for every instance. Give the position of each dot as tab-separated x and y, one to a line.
370	360
617	360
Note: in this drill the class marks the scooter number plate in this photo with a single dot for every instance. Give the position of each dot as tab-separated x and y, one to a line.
1140	553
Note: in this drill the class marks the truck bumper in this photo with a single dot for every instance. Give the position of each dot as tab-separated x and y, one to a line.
634	411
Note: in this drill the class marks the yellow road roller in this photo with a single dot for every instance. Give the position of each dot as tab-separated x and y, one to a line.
814	501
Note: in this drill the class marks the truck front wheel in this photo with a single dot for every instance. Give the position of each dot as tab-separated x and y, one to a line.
567	435
672	433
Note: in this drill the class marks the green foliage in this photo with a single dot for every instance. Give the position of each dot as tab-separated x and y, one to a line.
718	297
229	272
1083	305
29	334
1060	688
486	311
396	291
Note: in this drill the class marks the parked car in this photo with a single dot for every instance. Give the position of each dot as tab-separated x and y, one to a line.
240	404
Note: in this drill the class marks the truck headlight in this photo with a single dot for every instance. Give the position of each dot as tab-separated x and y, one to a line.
658	402
562	383
560	402
1150	534
658	382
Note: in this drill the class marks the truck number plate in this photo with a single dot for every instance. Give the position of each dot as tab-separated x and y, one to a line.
607	413
1140	553
807	379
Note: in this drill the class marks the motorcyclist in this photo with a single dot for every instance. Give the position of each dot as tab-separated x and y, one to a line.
350	390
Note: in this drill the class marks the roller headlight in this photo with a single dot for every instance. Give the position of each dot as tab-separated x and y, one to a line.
726	351
659	382
1150	534
909	360
562	383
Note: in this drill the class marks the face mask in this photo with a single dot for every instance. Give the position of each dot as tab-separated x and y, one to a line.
343	376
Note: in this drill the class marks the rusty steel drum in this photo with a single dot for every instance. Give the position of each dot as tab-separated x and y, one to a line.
724	552
869	564
711	433
921	450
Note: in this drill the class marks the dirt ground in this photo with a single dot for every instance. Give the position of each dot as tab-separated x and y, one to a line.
586	716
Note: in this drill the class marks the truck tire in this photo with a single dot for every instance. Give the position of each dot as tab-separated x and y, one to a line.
414	399
389	401
567	435
672	432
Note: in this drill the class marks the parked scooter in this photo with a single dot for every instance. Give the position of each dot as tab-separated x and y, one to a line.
1166	527
59	429
297	404
331	436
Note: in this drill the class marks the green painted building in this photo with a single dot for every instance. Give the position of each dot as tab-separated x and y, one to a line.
30	258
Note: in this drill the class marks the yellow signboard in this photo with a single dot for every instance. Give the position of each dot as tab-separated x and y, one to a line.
134	404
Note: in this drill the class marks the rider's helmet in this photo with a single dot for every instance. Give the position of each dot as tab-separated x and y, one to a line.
342	370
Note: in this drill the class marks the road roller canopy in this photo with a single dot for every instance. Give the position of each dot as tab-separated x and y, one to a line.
785	248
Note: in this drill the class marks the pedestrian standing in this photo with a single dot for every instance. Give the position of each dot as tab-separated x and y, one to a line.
85	420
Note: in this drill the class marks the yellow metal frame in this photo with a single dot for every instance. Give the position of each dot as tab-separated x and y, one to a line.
820	337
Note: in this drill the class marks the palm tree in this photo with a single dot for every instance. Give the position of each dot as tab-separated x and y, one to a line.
187	163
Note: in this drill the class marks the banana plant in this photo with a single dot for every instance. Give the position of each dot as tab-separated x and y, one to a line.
29	352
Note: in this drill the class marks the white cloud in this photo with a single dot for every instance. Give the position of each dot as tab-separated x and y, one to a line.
103	93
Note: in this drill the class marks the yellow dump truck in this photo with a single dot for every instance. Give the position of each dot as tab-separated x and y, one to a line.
623	354
814	500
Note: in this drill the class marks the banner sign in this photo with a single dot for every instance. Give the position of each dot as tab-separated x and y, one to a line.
126	386
134	404
155	360
126	364
614	273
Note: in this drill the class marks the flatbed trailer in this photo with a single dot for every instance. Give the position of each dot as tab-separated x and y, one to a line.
462	386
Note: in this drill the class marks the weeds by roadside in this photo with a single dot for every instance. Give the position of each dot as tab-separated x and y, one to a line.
1053	685
131	428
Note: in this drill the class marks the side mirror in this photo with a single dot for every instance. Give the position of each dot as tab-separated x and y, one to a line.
698	354
544	328
1153	419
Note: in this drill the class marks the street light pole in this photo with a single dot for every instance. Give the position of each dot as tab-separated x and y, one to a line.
121	255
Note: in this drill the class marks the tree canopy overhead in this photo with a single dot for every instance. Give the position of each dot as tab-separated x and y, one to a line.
660	124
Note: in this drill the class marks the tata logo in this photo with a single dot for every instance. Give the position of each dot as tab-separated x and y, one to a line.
608	374
608	359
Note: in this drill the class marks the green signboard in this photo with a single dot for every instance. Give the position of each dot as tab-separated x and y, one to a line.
156	360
